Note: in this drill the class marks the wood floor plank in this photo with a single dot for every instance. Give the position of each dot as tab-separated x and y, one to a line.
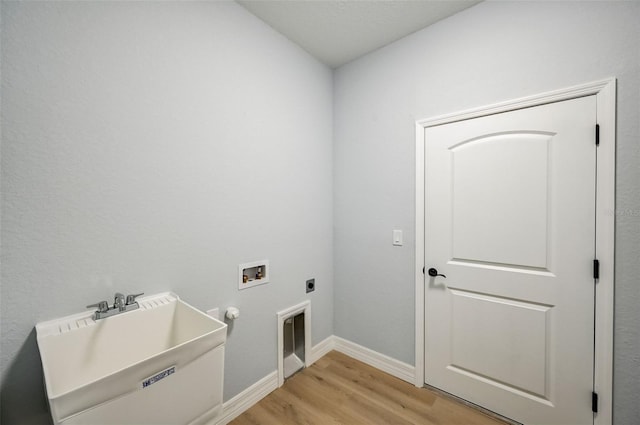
322	395
257	415
296	411
393	382
406	400
340	390
366	386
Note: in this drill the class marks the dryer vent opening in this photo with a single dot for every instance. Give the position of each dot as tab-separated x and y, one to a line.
294	340
293	348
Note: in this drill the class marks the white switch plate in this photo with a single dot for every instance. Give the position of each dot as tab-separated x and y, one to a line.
214	312
397	237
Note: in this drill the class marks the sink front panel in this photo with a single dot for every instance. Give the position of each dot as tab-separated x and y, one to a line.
184	397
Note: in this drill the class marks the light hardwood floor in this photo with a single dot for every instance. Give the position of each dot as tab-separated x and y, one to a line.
338	389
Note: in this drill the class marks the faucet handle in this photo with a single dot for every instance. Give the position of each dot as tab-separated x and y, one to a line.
132	298
102	306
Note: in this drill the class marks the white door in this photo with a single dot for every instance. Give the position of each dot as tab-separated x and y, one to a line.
510	222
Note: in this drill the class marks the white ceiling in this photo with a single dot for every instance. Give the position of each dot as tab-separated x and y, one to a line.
338	31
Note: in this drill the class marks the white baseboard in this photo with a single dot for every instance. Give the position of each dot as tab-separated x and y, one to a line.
247	398
394	367
321	348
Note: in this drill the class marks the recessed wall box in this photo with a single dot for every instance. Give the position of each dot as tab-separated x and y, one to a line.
253	274
294	339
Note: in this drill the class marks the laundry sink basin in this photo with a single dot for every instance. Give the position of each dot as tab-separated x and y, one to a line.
134	367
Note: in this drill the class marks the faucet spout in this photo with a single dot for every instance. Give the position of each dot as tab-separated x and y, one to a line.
118	302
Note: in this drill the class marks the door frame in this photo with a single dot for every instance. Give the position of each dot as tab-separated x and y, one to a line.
605	92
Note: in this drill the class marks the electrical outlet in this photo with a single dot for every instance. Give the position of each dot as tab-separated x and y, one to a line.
311	285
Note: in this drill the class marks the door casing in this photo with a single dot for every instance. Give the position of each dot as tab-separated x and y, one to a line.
605	92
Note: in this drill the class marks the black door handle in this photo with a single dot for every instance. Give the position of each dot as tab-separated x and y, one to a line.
433	273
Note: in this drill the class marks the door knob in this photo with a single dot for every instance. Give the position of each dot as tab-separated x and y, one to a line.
433	273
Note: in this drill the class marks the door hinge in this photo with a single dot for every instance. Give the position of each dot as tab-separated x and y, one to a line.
597	134
594	402
596	269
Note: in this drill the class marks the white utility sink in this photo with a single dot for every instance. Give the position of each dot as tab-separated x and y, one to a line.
161	363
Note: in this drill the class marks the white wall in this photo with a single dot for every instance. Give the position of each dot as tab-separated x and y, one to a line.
153	146
492	52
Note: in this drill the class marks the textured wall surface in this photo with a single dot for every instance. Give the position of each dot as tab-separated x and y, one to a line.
154	146
493	52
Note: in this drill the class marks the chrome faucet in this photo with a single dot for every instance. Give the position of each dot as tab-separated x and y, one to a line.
121	304
118	302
